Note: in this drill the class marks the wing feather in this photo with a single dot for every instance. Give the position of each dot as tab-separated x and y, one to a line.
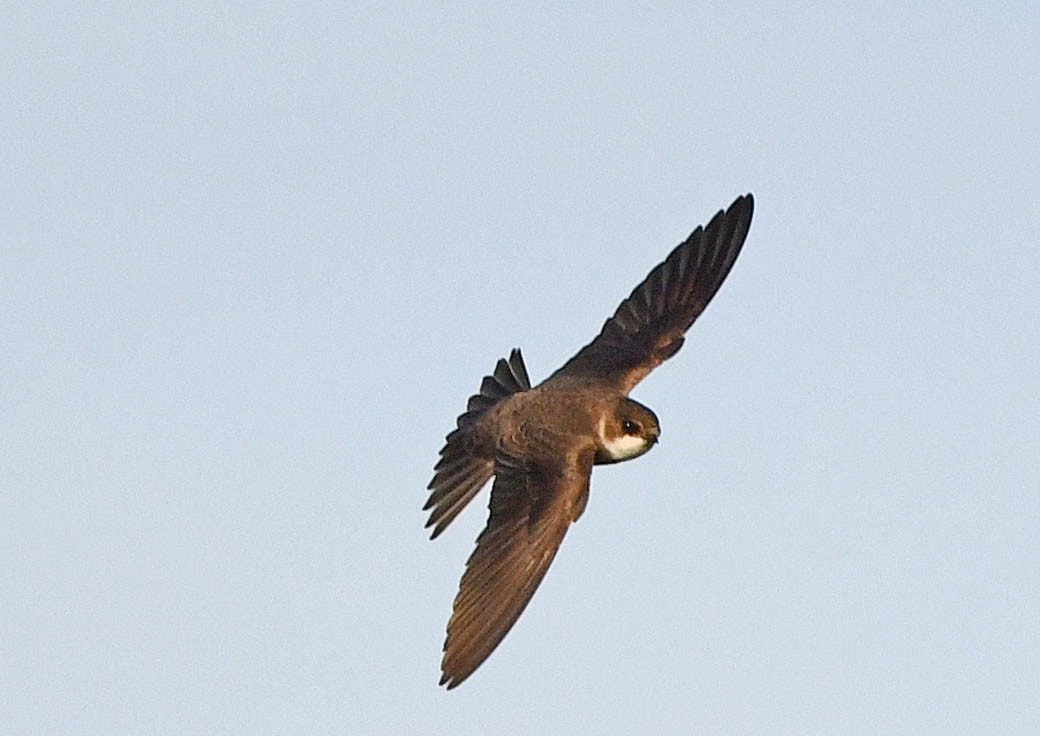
649	325
531	508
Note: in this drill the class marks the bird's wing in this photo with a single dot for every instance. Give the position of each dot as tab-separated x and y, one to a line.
648	326
532	505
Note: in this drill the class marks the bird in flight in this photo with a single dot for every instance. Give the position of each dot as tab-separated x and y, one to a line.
541	442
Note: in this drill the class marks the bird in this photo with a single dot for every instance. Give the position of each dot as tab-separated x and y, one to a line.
540	443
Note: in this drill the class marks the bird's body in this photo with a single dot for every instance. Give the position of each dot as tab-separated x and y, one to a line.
540	443
555	413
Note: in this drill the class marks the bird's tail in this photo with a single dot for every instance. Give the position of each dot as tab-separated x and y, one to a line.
459	474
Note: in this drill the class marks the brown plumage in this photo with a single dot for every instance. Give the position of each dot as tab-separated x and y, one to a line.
541	443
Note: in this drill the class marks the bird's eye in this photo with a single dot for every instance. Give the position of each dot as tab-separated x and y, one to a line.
629	427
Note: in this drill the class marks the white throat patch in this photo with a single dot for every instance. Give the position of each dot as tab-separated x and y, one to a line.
625	446
622	447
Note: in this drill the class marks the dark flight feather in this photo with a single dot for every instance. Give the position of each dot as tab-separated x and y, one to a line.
531	508
648	326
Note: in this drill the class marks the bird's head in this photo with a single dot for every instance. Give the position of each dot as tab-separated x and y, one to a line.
627	432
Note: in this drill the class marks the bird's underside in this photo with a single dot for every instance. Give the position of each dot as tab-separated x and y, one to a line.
542	472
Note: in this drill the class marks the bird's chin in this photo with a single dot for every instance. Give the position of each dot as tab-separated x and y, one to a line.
625	447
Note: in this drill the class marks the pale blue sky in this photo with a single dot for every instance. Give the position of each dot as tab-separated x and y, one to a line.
254	260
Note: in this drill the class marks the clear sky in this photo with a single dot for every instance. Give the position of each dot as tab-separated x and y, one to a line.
253	261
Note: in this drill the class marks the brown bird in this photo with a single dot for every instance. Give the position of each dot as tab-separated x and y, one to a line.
540	443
